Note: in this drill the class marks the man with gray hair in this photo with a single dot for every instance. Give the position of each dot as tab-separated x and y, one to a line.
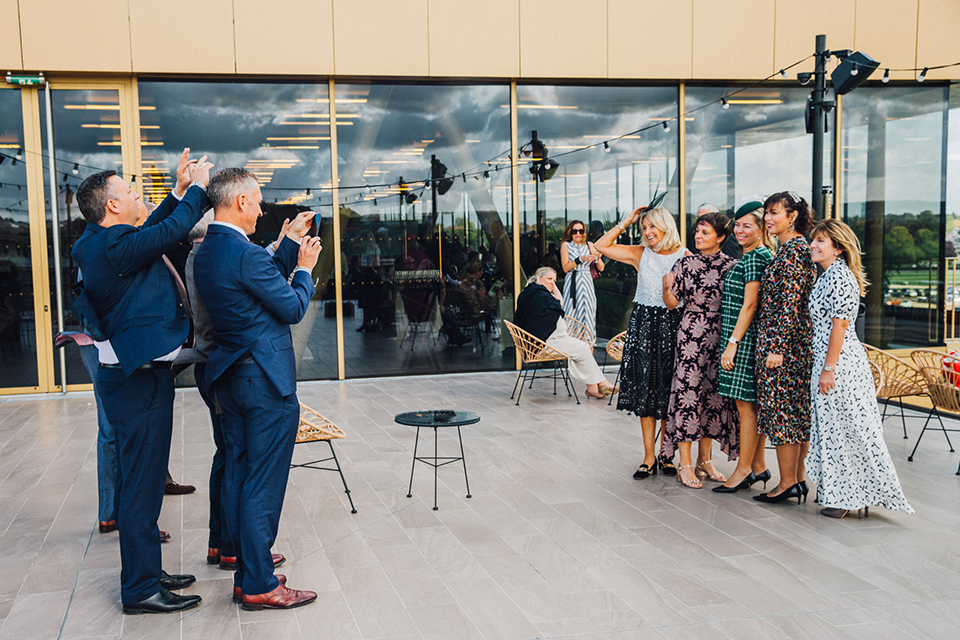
252	374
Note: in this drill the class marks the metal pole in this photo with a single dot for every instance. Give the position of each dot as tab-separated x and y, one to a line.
819	90
55	215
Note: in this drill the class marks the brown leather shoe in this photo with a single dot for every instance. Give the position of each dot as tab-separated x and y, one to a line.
213	556
164	536
229	563
279	598
107	527
238	595
174	489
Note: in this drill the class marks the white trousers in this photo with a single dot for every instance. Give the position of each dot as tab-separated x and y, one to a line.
582	365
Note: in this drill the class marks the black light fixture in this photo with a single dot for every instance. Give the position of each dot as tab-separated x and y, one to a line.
19	155
438	173
606	148
486	176
666	126
724	103
886	76
853	70
804	78
923	74
76	168
309	194
374	202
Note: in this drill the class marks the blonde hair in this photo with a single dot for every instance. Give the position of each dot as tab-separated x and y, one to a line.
663	220
845	240
542	271
766	239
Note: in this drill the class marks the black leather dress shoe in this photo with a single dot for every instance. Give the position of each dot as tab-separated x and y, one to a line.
161	602
172	583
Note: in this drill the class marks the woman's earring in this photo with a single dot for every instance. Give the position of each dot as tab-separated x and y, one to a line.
791	227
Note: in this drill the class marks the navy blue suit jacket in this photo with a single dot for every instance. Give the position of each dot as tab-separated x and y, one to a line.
251	304
132	291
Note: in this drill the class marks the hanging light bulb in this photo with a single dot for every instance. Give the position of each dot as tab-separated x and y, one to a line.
367	188
923	74
464	176
724	103
666	126
606	148
486	176
853	68
76	168
784	74
19	155
886	76
309	195
374	202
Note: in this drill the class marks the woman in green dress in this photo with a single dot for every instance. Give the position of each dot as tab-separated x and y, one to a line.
741	290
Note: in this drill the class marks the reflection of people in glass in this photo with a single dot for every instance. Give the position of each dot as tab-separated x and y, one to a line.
848	457
539	313
647	367
576	256
370	287
741	290
9	309
464	303
696	412
784	343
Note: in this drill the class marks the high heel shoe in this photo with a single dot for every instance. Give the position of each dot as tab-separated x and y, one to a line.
667	466
792	492
763	476
645	471
804	490
703	473
833	512
746	483
693	484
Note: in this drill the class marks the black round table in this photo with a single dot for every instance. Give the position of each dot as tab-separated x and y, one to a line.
437	420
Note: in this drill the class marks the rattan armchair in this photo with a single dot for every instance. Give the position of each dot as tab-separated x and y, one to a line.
900	378
537	355
615	351
939	371
877	374
315	428
578	330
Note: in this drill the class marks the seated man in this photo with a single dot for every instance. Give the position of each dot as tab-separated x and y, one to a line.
539	312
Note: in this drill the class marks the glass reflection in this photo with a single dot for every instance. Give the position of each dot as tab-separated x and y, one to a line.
280	133
18	346
894	181
590	182
425	219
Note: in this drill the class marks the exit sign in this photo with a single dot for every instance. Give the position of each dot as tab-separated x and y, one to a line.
25	81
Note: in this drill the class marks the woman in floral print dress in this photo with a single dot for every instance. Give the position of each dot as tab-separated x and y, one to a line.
785	343
696	411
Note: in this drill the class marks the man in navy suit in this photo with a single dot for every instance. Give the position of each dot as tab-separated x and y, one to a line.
253	298
129	296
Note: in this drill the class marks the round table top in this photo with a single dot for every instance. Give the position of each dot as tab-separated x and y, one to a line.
437	418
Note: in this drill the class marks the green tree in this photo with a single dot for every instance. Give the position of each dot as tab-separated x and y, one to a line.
899	249
928	247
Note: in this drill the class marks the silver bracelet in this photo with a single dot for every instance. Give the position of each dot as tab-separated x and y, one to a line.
621	227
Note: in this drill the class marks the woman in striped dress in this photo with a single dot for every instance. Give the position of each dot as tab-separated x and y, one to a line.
738	335
576	256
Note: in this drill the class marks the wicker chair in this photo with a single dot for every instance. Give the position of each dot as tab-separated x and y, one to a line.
315	428
578	330
615	351
534	351
877	373
939	370
900	378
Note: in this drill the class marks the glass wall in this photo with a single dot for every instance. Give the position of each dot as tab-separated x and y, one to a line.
18	348
279	132
756	146
425	215
894	187
588	181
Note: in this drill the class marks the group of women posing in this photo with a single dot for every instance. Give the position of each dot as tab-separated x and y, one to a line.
743	351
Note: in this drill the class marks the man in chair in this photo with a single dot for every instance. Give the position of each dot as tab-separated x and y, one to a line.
133	307
252	372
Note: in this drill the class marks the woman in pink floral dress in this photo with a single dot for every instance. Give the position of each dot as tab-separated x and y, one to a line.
697	413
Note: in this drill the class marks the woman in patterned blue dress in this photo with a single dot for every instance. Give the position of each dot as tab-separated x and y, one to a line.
576	256
848	457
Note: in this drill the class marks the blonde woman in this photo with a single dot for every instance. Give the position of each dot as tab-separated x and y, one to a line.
738	335
648	351
848	458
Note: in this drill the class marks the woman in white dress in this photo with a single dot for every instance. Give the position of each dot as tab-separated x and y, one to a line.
848	458
576	256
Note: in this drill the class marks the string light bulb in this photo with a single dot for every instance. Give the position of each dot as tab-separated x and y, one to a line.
309	195
606	148
486	176
886	76
923	74
76	168
853	69
367	188
724	103
19	155
784	74
666	126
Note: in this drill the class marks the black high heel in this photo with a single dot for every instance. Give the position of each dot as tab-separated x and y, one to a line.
803	489
763	476
667	466
745	484
793	492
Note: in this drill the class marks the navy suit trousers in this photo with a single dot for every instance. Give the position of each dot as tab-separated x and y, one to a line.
219	536
260	429
141	410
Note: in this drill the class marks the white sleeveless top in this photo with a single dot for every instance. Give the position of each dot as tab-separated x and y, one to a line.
653	267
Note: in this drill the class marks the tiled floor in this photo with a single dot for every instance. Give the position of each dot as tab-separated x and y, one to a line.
557	541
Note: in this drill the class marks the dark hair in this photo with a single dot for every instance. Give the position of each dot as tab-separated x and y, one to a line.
793	203
92	196
716	221
227	184
568	232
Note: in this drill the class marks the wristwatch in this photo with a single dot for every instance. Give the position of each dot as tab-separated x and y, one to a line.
733	340
828	368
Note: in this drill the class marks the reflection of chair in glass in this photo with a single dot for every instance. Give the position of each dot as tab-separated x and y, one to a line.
900	378
418	292
877	374
534	351
315	428
941	372
615	351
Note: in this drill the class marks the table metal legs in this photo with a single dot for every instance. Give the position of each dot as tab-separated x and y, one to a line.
435	462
